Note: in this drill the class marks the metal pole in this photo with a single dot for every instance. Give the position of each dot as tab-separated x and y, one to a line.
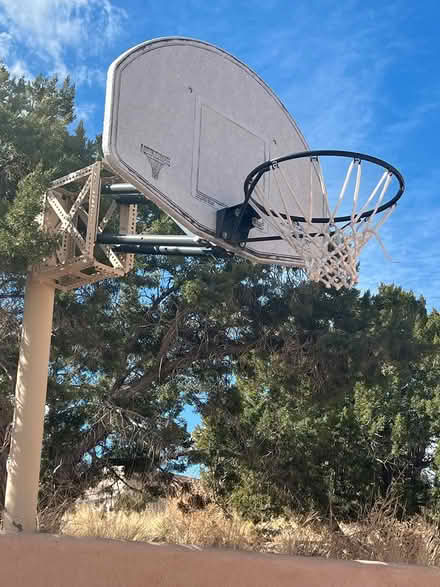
170	250
126	199
148	239
30	400
119	188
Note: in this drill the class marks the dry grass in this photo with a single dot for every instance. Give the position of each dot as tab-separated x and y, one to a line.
164	522
413	542
380	536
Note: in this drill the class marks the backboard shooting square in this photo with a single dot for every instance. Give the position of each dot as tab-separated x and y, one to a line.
224	151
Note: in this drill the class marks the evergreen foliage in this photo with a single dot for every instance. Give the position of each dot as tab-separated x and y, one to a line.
35	147
350	422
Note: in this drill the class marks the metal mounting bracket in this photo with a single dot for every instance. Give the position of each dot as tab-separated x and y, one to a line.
233	224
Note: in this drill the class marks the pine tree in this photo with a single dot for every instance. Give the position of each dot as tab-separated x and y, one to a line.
339	413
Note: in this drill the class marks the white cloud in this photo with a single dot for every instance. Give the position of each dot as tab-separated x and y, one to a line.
331	72
5	45
90	76
411	120
337	95
19	69
61	32
85	111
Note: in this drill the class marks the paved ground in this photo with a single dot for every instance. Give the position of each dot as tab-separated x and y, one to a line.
42	560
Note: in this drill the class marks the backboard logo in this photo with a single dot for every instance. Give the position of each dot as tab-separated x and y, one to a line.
156	160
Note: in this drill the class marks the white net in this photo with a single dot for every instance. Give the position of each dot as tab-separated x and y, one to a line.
330	249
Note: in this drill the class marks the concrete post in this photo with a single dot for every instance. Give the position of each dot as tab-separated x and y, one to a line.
30	400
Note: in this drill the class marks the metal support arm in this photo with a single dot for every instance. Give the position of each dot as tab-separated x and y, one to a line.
172	250
150	239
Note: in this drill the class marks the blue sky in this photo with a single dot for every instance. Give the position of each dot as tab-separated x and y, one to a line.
354	74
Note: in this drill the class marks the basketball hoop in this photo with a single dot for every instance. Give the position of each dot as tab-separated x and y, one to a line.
330	245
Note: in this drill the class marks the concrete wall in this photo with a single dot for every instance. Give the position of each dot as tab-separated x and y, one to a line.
41	560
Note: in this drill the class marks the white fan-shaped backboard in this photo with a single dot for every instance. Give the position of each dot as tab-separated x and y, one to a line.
185	122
